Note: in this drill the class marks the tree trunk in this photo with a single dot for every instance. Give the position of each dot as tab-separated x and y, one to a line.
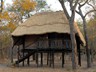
72	31
87	47
74	46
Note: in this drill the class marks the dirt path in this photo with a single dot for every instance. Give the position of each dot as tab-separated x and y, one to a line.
8	69
67	68
5	67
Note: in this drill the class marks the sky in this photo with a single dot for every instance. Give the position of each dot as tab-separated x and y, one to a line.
54	5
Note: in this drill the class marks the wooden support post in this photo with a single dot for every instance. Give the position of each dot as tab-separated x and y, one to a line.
48	58
41	59
34	56
53	58
63	59
23	47
28	60
18	54
79	55
37	58
78	50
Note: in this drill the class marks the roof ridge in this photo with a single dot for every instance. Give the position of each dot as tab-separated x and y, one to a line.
54	23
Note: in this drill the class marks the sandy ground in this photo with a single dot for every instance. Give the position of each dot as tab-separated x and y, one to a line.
44	69
6	67
57	68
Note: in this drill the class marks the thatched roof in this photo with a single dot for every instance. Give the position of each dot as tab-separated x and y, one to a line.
46	22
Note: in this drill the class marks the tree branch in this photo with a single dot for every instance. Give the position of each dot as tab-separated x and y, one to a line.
89	12
84	3
91	6
77	12
64	9
76	2
80	11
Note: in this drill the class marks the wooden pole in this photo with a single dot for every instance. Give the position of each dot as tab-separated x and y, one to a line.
79	54
78	50
41	58
62	59
28	60
37	58
23	47
18	55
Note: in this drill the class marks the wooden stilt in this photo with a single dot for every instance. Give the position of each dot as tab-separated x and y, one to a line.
23	48
78	50
34	56
79	55
53	58
37	59
28	61
47	58
18	54
50	59
62	59
41	59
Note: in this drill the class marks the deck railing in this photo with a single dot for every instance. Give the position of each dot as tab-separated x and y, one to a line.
54	43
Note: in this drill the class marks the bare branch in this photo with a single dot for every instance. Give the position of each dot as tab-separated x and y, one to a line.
81	5
84	3
76	2
91	6
90	12
77	12
80	11
64	9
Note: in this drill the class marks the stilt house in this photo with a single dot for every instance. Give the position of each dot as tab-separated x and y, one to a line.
46	32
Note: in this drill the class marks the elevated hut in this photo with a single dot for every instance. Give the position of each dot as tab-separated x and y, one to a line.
46	32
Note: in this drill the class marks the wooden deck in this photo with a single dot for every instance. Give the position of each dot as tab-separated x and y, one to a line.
39	52
48	46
